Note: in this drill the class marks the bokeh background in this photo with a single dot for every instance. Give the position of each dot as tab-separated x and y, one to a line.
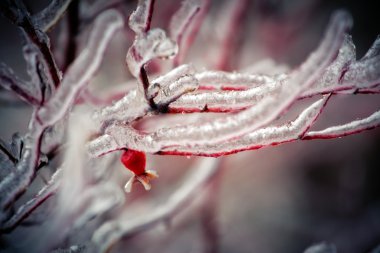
277	199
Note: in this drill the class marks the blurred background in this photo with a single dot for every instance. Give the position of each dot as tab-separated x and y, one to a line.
276	199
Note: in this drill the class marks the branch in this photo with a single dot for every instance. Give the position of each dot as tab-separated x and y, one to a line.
110	232
83	68
141	18
353	127
9	81
263	137
233	12
49	16
117	135
26	209
180	23
18	14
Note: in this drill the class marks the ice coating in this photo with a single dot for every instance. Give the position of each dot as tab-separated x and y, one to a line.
174	84
225	100
231	80
121	109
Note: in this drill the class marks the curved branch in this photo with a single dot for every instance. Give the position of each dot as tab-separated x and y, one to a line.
83	68
110	232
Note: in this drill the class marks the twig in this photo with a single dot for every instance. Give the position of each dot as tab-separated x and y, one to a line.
26	209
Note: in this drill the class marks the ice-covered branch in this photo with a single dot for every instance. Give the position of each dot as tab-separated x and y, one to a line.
180	22
18	14
140	19
110	232
23	211
83	68
86	65
153	44
19	178
234	10
49	16
353	127
164	89
221	80
374	50
9	81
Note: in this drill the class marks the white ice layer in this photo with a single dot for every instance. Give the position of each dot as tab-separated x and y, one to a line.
234	80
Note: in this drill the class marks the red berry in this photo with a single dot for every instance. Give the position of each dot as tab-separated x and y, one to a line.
134	161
